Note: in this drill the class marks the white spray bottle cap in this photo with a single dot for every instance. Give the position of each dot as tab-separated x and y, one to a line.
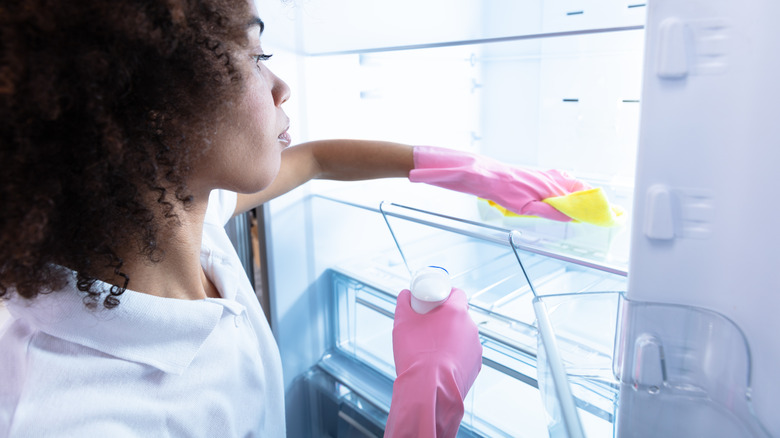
430	287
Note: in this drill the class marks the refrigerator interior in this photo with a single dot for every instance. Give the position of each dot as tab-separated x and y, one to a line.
553	84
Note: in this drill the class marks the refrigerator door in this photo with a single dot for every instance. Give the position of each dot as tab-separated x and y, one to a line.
703	233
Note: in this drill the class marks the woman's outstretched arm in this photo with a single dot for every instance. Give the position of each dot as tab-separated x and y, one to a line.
344	160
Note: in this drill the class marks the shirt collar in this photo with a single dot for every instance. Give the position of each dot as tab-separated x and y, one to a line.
220	270
165	333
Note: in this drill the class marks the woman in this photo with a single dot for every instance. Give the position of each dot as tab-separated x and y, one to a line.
131	131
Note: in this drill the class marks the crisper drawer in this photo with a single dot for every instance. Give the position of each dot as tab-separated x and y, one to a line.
514	394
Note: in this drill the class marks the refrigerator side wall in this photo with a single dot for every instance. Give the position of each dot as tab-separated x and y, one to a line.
296	308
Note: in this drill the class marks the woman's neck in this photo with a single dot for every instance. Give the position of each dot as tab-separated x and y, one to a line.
179	273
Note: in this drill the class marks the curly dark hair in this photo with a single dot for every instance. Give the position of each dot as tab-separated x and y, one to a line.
103	102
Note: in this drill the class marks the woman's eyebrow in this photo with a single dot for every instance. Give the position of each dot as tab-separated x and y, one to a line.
256	21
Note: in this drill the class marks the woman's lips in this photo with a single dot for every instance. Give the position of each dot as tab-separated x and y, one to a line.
285	138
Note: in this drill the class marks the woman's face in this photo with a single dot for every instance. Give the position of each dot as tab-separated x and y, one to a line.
245	153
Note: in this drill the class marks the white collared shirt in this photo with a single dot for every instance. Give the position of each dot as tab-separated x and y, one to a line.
151	366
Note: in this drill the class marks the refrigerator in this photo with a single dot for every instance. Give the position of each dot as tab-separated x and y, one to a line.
661	326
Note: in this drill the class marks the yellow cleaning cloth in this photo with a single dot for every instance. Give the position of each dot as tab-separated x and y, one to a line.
589	206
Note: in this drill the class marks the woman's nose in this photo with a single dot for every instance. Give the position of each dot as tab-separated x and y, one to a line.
281	91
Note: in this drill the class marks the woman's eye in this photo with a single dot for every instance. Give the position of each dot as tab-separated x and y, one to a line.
261	57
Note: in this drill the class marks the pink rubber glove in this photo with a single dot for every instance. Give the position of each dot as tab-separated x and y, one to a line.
518	190
437	358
